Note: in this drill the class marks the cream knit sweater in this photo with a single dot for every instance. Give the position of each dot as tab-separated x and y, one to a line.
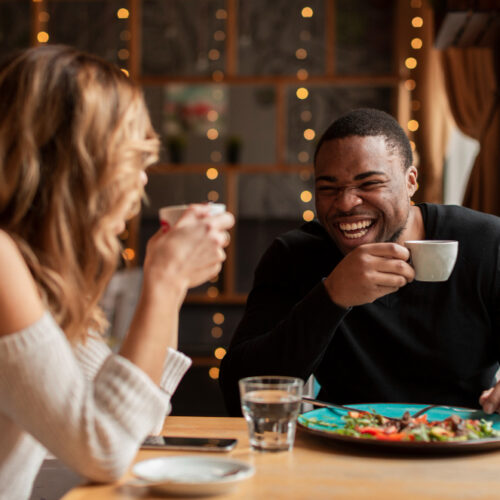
87	406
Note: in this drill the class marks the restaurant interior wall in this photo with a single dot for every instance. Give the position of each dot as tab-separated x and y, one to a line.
239	91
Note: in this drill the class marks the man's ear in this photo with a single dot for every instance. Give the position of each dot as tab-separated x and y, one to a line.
411	180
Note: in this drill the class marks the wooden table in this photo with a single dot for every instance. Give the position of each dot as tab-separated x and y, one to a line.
319	469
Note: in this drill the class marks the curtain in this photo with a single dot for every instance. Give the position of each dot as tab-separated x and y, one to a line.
473	94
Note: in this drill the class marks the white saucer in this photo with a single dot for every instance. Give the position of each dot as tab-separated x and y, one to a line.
192	475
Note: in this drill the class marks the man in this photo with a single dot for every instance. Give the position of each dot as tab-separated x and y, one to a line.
337	298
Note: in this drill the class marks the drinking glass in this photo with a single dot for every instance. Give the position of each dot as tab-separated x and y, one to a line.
270	406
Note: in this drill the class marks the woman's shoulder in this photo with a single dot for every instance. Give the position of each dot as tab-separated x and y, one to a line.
20	303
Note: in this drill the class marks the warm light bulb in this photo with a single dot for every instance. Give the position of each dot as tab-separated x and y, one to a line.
216	332
301	53
219	36
306	196
307	12
416	43
221	14
213	196
212	173
413	125
410	84
309	134
308	215
302	93
213	54
122	13
220	352
218	318
128	254
123	54
212	134
42	37
410	62
417	22
303	157
213	373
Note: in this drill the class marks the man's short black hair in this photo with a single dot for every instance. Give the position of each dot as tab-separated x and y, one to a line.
365	122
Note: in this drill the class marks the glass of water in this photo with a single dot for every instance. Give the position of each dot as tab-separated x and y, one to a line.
270	406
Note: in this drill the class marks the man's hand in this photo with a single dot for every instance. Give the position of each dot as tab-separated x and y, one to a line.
490	399
369	272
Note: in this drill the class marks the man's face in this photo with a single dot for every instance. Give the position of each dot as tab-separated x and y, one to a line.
363	191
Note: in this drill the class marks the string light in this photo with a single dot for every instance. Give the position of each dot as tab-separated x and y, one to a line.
307	12
217	75
301	53
415	105
308	215
219	36
213	196
302	93
216	332
218	318
42	37
302	74
212	173
122	13
43	17
305	175
413	125
212	134
309	134
221	14
306	196
213	373
212	292
213	54
128	254
303	156
410	62
417	22
123	54
410	84
416	43
220	352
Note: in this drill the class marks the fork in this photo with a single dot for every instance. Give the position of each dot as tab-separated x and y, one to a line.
324	404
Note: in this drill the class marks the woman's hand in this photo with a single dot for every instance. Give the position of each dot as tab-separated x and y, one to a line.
190	252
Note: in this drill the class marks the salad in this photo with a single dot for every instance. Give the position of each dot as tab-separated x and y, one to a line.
371	425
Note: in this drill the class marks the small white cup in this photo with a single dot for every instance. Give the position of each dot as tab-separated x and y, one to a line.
433	260
170	215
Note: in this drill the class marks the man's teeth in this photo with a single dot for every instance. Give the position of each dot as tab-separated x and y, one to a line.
360	228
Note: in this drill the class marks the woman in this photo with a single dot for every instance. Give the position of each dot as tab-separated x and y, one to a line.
75	139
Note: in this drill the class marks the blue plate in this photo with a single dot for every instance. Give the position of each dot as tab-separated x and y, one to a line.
330	419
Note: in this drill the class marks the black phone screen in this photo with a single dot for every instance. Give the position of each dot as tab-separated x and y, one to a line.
189	443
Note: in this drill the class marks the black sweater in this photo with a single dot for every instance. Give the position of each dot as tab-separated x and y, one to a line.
425	343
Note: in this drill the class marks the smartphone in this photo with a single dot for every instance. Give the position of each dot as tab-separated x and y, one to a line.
189	443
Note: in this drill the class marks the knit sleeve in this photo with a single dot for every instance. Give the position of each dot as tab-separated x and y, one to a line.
94	427
92	354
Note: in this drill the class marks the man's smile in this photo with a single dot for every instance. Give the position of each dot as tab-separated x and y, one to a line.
357	229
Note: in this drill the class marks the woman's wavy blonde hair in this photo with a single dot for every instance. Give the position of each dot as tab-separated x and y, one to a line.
74	136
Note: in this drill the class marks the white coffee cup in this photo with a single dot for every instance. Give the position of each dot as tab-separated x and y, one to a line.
170	215
433	260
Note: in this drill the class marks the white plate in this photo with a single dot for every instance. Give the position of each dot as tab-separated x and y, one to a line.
192	475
